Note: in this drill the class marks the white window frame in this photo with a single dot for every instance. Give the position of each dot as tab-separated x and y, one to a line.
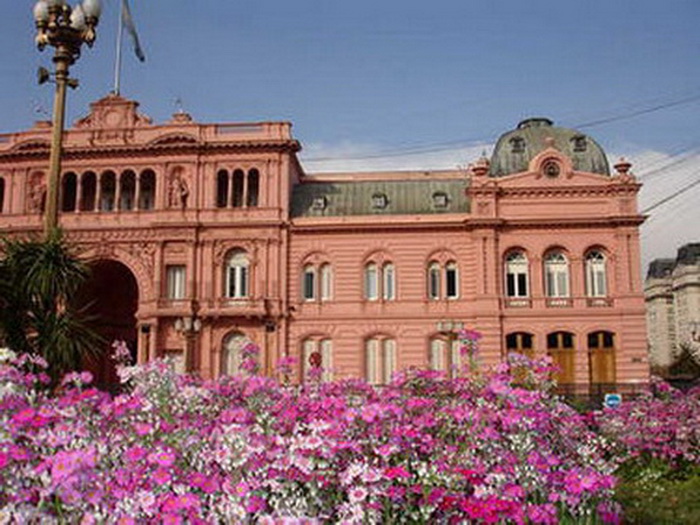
308	283
371	281
596	274
325	347
380	360
434	281
237	275
440	359
517	270
556	273
326	282
388	282
175	281
451	269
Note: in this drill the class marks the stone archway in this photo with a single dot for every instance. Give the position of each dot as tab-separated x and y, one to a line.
111	298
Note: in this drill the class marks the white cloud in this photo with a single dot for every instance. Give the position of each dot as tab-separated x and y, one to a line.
676	222
668	227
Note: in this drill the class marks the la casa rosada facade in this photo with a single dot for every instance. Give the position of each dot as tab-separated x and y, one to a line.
202	237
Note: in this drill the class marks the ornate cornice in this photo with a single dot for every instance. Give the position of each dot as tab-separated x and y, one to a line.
550	192
178	147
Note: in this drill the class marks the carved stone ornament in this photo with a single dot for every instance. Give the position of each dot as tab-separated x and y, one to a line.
36	192
113	111
178	189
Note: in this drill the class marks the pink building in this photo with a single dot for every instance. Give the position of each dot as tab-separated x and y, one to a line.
205	236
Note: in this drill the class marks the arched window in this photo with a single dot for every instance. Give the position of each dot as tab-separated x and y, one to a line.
326	282
231	353
434	280
601	353
127	190
253	188
108	189
222	189
596	274
371	282
237	275
238	189
147	190
309	283
388	282
2	194
437	275
516	274
69	192
556	272
317	354
521	343
380	360
560	346
88	190
317	282
444	355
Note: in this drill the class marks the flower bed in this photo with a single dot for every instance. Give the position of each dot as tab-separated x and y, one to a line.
484	448
423	449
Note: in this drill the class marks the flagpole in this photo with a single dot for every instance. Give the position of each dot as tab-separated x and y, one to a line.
118	61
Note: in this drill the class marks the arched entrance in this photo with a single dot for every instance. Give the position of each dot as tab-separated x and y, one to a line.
111	298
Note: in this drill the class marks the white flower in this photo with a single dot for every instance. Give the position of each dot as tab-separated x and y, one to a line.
6	355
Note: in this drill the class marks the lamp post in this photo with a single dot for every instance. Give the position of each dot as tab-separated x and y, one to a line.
189	326
65	29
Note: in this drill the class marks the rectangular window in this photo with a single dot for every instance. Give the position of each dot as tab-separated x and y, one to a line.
175	279
389	360
434	282
327	359
371	361
389	284
371	284
437	355
326	282
309	291
451	282
522	285
510	285
238	282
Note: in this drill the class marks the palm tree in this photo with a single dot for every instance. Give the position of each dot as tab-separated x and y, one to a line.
38	281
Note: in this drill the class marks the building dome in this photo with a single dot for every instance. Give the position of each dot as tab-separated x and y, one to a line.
515	149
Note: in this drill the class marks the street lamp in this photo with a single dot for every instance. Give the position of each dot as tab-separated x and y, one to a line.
66	29
189	326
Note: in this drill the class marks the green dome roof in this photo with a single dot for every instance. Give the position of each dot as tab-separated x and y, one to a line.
515	149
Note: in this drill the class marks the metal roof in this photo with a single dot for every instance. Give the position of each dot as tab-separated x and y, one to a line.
516	148
342	198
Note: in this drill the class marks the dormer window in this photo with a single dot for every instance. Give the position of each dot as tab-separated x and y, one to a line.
580	143
319	204
440	199
517	145
379	201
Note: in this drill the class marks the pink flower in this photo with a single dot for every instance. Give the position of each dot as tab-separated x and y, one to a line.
357	494
164	458
396	472
134	454
161	476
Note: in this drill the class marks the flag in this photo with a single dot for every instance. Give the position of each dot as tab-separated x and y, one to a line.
128	22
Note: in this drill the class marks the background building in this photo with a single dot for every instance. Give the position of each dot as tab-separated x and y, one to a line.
205	236
672	294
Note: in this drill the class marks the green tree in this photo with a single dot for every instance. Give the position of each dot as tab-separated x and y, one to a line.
39	280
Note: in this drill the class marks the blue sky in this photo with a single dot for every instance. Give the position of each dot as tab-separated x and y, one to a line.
402	83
